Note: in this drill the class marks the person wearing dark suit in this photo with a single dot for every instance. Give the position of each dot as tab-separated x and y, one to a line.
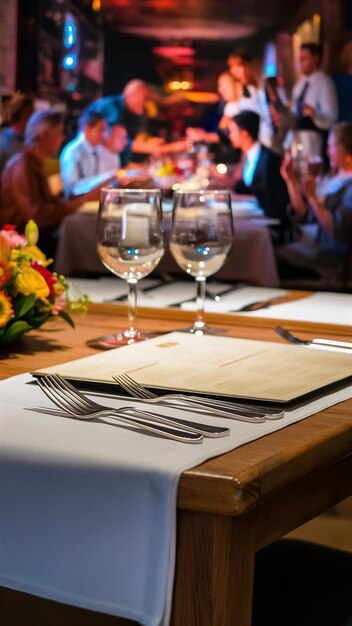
260	176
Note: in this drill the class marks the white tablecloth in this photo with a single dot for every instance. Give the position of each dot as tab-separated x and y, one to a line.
251	260
88	510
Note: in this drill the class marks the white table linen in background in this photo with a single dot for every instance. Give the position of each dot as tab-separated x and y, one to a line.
251	259
106	289
236	299
88	510
320	308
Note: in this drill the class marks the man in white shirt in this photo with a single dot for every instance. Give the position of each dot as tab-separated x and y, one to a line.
314	102
85	162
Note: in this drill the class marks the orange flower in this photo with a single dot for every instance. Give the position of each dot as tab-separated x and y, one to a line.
6	310
5	273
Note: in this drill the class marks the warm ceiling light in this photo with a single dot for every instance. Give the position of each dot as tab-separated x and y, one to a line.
172	52
185	84
174	85
96	5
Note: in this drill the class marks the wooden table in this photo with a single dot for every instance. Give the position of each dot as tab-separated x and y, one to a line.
232	505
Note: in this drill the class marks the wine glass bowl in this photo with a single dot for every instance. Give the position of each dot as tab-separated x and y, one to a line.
130	244
201	238
315	165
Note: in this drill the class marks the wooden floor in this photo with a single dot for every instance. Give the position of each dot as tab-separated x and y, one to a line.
333	528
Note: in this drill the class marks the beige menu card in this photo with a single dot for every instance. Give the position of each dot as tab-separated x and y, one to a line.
221	366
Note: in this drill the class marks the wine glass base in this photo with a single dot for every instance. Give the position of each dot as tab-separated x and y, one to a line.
204	331
118	340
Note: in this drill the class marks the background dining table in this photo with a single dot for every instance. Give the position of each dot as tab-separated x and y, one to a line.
229	506
251	259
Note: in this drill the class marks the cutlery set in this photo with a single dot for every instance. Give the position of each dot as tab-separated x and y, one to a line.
75	404
328	343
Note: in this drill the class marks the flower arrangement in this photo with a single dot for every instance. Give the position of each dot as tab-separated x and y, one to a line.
30	294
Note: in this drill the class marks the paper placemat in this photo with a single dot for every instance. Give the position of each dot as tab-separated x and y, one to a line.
90	516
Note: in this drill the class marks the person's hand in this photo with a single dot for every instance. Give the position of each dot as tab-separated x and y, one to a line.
94	194
195	134
308	111
155	141
287	170
128	175
174	146
309	187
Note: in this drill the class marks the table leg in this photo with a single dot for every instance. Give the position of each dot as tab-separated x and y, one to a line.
214	570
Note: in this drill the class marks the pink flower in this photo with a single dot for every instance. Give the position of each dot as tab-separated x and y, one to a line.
58	306
12	238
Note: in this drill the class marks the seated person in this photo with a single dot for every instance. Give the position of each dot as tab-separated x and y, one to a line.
85	162
17	113
260	176
115	139
130	108
324	247
25	191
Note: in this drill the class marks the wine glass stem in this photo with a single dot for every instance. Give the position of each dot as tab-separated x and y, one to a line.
132	306
200	300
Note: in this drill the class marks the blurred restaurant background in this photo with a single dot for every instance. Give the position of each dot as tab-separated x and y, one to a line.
74	52
190	89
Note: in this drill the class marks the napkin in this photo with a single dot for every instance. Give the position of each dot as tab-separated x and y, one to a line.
88	510
236	299
322	308
106	289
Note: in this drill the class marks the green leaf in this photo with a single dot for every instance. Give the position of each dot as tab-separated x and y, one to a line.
67	318
23	305
14	330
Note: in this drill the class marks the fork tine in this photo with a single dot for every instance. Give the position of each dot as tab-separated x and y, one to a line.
76	402
128	387
284	334
49	391
67	399
73	391
139	387
131	386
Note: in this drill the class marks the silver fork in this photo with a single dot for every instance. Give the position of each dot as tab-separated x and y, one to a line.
197	403
184	424
67	398
331	343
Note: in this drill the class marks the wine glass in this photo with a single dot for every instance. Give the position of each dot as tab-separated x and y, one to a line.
130	244
315	165
201	239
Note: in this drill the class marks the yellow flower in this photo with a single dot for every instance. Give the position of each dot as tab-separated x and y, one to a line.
30	281
6	311
37	255
31	233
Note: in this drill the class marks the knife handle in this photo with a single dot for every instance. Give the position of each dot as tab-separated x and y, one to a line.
332	343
